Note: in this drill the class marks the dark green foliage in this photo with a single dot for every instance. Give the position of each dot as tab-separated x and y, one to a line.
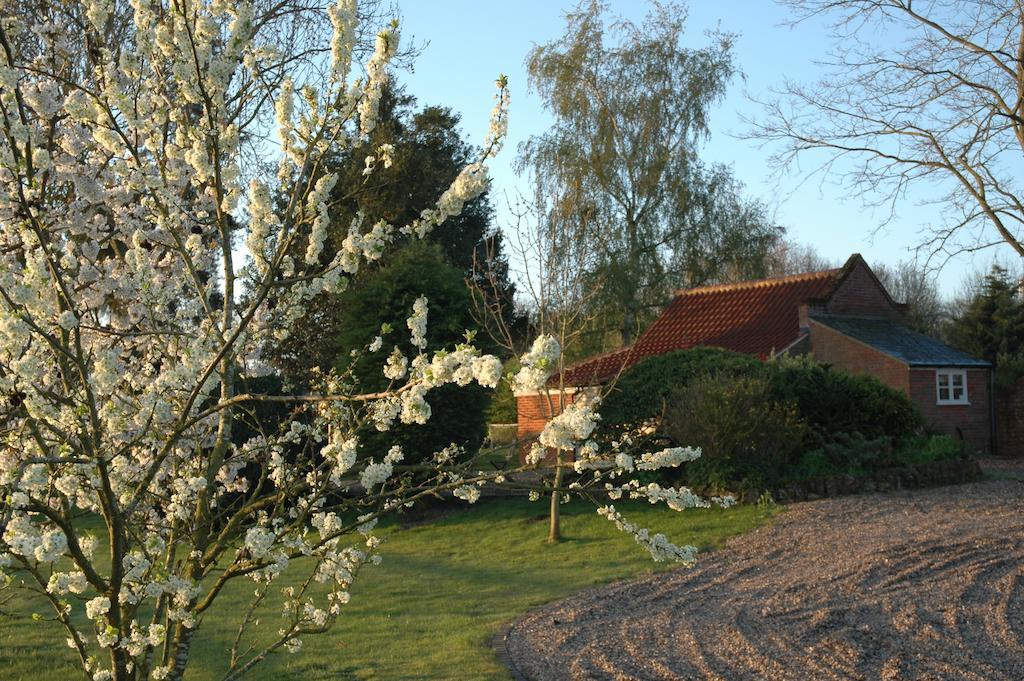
745	433
993	322
837	402
925	448
386	297
429	153
1008	371
857	455
260	418
761	423
643	392
846	453
814	464
503	402
992	327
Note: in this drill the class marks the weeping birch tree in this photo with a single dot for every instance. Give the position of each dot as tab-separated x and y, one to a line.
619	169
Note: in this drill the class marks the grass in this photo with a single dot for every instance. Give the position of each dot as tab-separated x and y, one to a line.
430	610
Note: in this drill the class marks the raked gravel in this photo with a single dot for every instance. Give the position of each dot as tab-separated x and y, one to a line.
922	585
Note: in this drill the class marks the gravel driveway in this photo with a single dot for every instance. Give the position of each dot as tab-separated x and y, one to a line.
925	584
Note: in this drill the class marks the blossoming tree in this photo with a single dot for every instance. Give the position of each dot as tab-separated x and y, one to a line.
128	326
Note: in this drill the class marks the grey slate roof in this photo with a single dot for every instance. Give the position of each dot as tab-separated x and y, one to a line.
895	340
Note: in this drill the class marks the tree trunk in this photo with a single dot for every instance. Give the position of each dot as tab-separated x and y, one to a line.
631	305
628	323
554	525
182	649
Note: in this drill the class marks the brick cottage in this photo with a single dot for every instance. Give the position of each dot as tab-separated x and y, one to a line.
842	317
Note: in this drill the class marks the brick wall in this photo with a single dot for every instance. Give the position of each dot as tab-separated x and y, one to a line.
533	411
860	294
971	422
828	346
1010	422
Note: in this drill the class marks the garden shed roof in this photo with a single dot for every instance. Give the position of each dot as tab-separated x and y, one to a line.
895	340
753	317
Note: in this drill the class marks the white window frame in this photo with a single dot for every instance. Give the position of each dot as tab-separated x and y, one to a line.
945	380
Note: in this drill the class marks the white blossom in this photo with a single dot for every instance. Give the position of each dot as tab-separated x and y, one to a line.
535	455
61	583
660	548
67	320
343	20
385	152
487	370
667	458
538	364
385	48
414	406
97	607
375	474
575	423
259	540
396	365
417	322
469	493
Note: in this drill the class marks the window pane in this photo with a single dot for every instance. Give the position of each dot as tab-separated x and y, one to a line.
943	393
943	380
958	380
958	394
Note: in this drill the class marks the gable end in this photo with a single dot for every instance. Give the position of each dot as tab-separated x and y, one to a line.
859	292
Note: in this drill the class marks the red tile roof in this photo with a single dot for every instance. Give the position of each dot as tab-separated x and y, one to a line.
752	317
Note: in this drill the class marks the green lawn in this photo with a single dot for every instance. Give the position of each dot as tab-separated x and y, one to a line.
444	589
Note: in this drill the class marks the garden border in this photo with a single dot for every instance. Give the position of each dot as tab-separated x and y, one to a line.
928	474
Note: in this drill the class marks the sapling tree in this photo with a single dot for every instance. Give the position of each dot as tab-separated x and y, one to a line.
131	325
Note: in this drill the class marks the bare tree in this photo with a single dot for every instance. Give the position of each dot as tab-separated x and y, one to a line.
791	257
915	286
925	96
907	282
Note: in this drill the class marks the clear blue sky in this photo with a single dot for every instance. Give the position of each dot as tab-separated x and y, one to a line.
470	42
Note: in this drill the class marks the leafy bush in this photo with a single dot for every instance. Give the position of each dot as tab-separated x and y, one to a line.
846	453
762	423
643	392
503	403
835	402
814	464
857	455
746	435
831	401
927	448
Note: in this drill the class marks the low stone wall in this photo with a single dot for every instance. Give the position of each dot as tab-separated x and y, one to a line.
918	475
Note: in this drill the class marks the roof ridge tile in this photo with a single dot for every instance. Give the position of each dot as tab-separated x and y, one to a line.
760	283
